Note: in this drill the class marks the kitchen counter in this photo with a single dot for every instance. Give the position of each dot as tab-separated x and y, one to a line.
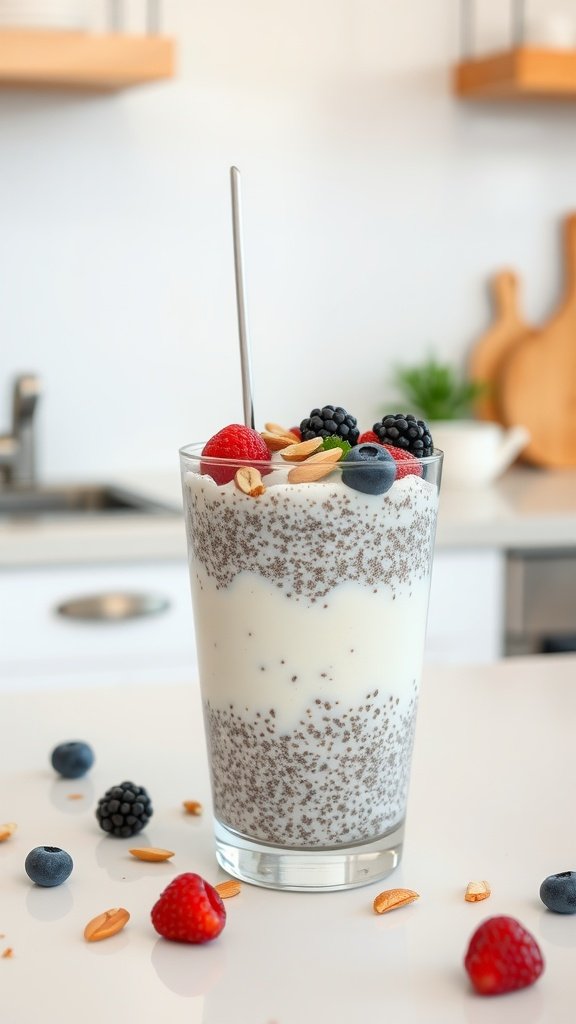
492	745
526	508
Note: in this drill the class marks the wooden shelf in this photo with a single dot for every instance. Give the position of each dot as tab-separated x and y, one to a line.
82	60
523	73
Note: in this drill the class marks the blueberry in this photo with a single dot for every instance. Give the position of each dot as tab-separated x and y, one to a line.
558	892
48	865
73	759
372	469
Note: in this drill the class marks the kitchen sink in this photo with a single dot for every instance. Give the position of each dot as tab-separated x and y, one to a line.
81	500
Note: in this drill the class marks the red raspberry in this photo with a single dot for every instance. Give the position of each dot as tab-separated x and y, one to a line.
233	442
406	463
189	910
297	431
369	437
411	466
502	956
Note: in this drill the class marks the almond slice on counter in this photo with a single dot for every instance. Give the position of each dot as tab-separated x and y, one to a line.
275	428
299	452
8	953
104	925
151	853
275	442
228	889
391	899
249	481
476	891
315	467
7	830
192	807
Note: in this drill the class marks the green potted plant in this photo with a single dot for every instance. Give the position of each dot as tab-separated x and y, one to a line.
475	452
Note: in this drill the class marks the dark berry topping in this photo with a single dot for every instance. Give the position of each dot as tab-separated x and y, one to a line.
330	421
73	759
369	468
404	431
124	810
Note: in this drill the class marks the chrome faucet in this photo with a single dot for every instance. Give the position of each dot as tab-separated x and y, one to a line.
18	449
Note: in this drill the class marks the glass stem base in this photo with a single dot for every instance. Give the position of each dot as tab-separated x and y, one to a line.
320	870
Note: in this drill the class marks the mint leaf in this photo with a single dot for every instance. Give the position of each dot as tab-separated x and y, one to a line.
335	442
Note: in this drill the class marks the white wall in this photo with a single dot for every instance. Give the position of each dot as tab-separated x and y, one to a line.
375	207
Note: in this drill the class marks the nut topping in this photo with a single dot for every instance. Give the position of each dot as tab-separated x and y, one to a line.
249	481
106	924
299	452
391	899
274	428
315	467
476	891
275	442
152	853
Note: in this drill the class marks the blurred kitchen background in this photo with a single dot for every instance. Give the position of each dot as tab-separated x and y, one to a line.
377	206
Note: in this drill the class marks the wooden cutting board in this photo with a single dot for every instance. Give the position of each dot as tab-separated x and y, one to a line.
537	380
490	350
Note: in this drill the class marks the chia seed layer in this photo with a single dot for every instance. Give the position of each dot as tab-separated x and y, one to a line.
306	539
339	777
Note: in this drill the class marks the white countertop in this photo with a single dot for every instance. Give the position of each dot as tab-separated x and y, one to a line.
526	508
490	799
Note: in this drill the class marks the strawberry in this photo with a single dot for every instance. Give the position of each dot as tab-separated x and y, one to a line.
189	910
410	464
297	431
233	442
502	956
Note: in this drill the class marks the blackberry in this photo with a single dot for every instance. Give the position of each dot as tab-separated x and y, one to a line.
330	421
406	432
124	810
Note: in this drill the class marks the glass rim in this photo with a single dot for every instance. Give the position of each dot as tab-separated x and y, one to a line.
193	452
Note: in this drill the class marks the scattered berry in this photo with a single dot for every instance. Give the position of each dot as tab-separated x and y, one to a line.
331	419
124	810
297	432
558	892
502	956
189	910
48	865
73	759
369	468
406	463
405	431
233	442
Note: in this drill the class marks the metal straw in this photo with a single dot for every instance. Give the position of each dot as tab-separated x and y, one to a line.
241	300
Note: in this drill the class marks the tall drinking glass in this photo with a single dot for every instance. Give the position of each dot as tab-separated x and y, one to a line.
310	602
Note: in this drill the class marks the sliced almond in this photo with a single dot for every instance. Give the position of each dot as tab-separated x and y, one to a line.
476	891
299	452
275	428
315	467
249	481
7	830
391	899
193	807
75	796
106	924
275	442
8	953
228	889
152	853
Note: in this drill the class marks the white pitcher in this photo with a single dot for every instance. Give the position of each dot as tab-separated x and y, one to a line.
476	453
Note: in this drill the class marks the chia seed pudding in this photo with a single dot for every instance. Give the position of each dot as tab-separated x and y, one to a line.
310	606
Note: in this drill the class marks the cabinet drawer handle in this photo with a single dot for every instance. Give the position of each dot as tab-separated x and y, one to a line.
114	606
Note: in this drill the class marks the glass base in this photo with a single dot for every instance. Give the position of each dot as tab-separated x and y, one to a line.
320	870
